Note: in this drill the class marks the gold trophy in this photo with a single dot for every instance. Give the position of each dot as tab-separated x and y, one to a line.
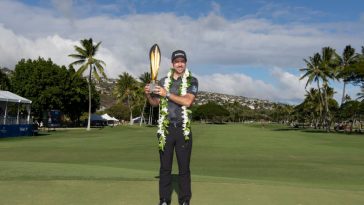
155	60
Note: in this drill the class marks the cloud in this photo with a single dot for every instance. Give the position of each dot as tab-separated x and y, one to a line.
289	88
215	7
55	47
278	11
208	40
65	6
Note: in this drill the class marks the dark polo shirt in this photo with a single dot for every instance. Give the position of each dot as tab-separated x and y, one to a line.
174	109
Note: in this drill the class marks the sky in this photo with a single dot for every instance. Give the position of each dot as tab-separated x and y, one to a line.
251	48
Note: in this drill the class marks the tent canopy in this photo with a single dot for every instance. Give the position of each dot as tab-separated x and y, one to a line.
95	117
6	96
108	117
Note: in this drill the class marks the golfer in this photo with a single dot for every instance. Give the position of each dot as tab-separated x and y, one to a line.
174	94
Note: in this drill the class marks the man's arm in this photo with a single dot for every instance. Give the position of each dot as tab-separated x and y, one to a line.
185	100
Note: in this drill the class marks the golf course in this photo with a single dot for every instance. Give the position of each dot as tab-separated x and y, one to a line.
231	164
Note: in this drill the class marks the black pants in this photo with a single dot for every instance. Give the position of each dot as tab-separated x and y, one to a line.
175	140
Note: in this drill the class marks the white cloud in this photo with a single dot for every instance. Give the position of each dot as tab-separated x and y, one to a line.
284	12
65	6
208	40
288	89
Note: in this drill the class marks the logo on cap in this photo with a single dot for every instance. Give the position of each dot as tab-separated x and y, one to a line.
179	54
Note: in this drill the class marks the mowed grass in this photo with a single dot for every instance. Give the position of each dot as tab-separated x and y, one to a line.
231	164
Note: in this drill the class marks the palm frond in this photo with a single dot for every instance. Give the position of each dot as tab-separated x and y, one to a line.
95	73
82	69
77	62
100	69
96	48
77	56
100	62
81	51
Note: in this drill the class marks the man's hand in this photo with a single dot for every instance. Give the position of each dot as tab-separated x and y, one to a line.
147	89
160	91
152	100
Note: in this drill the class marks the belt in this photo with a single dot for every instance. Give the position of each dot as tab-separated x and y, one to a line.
176	124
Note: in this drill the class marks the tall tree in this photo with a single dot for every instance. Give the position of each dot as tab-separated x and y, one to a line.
126	91
85	56
347	59
330	64
314	73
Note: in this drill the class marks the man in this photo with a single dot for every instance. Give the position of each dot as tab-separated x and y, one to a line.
175	94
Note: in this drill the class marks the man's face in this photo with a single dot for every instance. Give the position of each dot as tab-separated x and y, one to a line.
179	65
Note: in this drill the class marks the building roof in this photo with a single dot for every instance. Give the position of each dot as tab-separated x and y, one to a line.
7	96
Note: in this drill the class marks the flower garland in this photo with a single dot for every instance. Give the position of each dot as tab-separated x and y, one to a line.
163	121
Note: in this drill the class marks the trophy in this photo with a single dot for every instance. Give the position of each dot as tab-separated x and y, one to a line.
155	60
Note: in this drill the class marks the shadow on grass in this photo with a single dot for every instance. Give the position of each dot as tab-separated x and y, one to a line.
316	131
311	130
41	134
23	137
175	183
216	123
287	129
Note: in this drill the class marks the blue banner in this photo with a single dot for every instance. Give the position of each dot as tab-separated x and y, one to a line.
16	130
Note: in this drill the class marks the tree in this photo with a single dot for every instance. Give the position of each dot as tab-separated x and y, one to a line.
349	111
126	91
361	93
39	80
212	111
75	92
119	110
50	86
311	104
348	58
4	82
329	63
314	73
144	79
322	68
86	57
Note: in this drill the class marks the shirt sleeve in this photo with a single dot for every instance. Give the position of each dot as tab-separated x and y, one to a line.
193	88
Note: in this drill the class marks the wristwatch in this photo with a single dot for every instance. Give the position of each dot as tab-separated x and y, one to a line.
168	94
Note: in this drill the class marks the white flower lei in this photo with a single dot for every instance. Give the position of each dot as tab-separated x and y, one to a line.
163	121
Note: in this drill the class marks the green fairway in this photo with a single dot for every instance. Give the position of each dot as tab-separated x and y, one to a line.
231	164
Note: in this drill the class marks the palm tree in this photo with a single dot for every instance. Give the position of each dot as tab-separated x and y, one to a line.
86	57
348	58
312	103
126	91
314	73
330	64
144	79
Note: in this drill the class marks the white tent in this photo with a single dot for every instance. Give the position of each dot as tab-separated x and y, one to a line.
113	118
110	120
9	97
